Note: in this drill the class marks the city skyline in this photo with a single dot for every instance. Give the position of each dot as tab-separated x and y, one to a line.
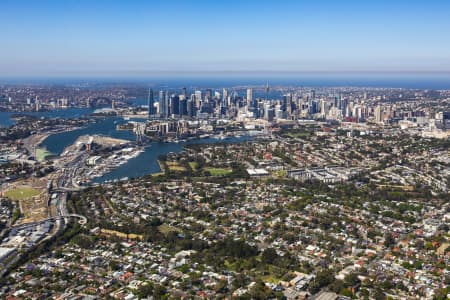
240	149
173	38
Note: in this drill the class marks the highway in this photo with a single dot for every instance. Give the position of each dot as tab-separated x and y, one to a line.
63	181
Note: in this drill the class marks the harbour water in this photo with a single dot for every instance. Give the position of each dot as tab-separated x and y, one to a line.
103	126
144	164
6	117
147	162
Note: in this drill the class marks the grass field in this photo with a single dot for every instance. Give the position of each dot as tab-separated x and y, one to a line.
22	193
219	171
157	174
165	229
32	198
193	165
281	173
298	134
42	153
175	167
271	279
122	235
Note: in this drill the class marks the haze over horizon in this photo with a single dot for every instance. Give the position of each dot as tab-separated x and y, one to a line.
247	38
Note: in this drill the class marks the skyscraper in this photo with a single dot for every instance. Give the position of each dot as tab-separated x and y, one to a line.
167	104
198	99
378	114
287	104
151	103
163	107
224	97
191	106
174	105
208	94
182	106
249	98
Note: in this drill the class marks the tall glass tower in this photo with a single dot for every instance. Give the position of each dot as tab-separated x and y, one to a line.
151	103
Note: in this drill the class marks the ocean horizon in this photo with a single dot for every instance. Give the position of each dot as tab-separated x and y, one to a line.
407	81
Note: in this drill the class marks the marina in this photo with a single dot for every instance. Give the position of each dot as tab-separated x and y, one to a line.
142	160
139	162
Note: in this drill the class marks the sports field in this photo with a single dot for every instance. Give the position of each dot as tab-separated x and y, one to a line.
22	193
166	229
32	202
218	171
175	166
193	165
42	153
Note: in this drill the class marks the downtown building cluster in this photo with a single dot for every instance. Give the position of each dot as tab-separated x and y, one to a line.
384	106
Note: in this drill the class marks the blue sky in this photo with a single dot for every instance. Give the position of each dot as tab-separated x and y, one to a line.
141	38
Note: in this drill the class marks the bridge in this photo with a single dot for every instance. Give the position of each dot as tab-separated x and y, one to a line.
82	221
66	189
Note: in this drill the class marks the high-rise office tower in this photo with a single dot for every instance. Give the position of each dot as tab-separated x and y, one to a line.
378	113
278	111
314	107
162	104
249	98
224	97
337	101
182	107
287	104
323	107
267	106
151	103
37	104
198	99
208	94
270	114
174	105
167	104
190	109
